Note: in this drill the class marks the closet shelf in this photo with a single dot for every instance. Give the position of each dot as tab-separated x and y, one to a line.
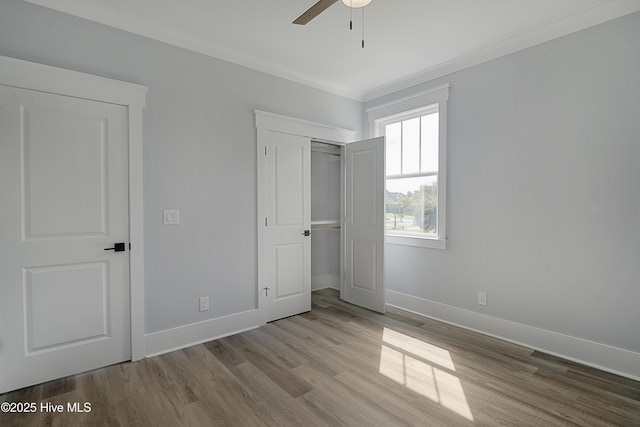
326	222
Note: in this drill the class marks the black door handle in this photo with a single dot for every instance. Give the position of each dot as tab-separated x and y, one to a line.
306	233
118	247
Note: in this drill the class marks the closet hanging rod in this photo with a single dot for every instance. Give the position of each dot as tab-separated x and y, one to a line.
324	152
335	228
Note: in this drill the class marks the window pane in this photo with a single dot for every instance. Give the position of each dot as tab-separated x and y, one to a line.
429	130
411	205
393	134
411	146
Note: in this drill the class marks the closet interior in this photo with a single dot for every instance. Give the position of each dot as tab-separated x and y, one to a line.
326	218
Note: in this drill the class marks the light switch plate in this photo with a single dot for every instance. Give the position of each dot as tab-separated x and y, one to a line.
171	217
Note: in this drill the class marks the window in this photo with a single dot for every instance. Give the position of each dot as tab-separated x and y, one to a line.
415	162
411	196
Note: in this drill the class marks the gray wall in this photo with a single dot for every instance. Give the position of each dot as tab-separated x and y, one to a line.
544	189
199	152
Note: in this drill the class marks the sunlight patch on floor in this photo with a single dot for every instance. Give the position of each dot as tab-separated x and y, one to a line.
423	368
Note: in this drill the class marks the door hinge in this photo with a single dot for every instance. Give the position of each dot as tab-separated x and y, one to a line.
266	223
265	150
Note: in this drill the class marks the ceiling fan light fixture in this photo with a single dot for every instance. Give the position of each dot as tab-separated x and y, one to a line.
356	4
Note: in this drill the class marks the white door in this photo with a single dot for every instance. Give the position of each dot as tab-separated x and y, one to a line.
64	300
287	186
364	224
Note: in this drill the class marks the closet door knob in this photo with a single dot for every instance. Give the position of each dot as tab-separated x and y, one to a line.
306	233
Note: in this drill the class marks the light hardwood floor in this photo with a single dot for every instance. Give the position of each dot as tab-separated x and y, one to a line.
340	365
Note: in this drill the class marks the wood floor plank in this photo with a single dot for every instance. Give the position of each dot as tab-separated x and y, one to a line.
236	403
308	356
224	353
269	364
281	405
399	402
350	408
96	389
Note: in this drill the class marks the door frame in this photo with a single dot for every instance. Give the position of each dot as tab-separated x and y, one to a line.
266	121
43	78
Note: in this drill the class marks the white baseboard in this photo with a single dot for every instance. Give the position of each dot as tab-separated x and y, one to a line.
185	336
607	358
325	281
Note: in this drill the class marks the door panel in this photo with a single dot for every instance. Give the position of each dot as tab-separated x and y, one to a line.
288	279
287	203
363	195
363	256
364	224
64	168
288	187
47	290
64	185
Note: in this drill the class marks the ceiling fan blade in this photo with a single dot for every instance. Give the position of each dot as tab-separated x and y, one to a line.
314	11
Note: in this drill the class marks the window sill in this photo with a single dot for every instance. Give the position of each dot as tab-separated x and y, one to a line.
416	241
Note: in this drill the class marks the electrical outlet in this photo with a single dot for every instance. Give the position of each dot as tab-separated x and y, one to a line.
482	298
204	303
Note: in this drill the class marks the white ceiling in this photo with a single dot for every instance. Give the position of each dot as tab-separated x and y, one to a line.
407	41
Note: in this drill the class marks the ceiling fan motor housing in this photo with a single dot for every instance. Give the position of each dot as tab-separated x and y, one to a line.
356	4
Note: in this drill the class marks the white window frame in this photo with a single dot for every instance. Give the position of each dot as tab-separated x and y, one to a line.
415	105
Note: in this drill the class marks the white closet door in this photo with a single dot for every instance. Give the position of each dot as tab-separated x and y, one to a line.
287	289
364	224
64	300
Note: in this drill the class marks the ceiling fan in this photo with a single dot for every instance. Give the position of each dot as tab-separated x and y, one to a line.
323	5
